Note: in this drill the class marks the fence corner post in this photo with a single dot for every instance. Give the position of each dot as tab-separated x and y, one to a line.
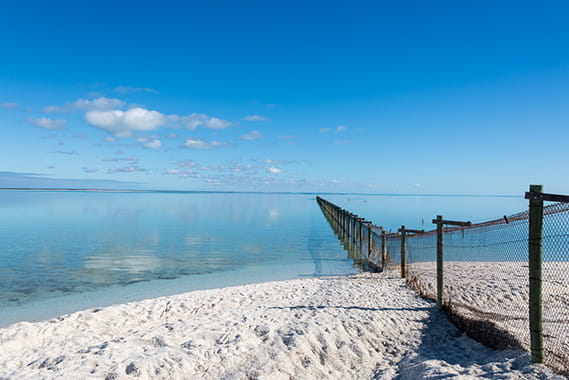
403	253
535	276
440	236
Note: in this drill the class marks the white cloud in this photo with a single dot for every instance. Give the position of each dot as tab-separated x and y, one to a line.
126	169
129	90
132	160
9	105
273	170
196	120
47	123
201	144
154	144
253	135
180	173
172	171
124	123
84	105
256	118
215	123
90	170
268	161
66	152
341	128
325	130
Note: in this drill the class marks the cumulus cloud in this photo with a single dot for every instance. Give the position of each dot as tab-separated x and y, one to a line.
201	144
129	90
126	169
124	123
84	105
253	135
256	118
153	144
273	170
9	105
341	128
47	123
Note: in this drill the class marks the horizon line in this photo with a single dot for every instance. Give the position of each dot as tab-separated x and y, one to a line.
66	189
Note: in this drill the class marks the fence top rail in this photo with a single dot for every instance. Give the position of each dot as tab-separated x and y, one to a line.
547	197
506	219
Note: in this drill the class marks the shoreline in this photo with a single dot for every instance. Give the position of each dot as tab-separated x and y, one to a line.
42	309
367	325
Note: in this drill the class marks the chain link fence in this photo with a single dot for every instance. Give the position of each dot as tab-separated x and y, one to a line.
484	278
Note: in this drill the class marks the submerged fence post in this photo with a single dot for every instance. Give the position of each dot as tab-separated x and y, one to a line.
535	260
403	253
440	236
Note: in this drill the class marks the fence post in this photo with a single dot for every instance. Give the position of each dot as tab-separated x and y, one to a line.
403	253
535	260
383	250
440	236
369	240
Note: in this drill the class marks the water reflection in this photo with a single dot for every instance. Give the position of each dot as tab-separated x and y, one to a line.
61	243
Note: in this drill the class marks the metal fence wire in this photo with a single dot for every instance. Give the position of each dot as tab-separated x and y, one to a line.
485	274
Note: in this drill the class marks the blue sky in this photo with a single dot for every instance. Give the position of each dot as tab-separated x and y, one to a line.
368	96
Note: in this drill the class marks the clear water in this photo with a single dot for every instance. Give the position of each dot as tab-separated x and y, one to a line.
66	251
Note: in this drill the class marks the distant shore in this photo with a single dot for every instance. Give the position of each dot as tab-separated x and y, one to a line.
360	326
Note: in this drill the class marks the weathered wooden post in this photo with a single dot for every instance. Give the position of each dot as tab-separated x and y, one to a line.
403	252
383	250
535	260
354	221
440	256
369	240
440	236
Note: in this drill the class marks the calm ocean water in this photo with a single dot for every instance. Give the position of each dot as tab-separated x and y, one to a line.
66	251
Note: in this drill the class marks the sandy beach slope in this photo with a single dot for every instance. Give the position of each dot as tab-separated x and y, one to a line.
356	327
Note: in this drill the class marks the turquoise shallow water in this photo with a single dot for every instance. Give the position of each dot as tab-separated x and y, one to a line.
66	251
86	249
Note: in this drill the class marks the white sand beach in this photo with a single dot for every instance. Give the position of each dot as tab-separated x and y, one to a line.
356	327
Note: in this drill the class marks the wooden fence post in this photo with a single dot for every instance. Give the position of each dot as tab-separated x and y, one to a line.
440	236
383	250
369	240
535	260
403	253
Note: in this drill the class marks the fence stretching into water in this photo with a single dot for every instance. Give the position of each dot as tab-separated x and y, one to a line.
505	282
